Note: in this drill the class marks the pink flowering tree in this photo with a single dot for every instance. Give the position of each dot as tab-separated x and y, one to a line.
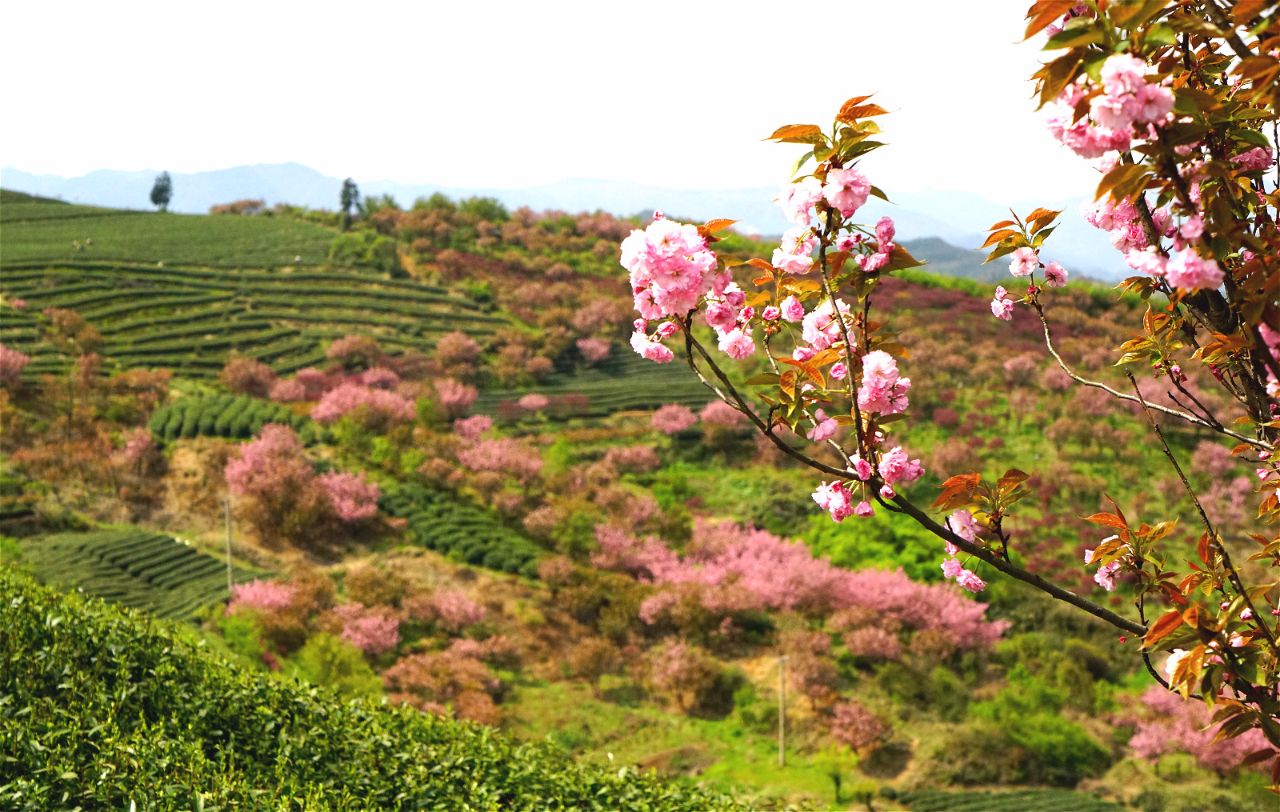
673	418
1170	99
278	492
375	409
12	362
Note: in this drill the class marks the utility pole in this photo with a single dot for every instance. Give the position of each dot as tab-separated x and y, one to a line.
226	519
782	711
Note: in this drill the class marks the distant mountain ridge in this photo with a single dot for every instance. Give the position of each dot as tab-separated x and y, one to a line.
958	218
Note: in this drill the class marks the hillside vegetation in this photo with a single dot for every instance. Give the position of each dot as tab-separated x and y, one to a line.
116	710
454	488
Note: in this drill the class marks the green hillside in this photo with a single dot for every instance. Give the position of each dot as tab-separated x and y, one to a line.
42	230
117	711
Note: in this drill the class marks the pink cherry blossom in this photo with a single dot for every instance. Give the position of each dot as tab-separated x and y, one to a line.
795	254
797	200
864	510
882	390
771	313
1253	160
720	315
353	498
737	344
970	581
1055	276
673	418
964	525
671	268
885	232
1187	270
650	349
821	328
1025	261
792	310
1146	260
846	190
835	499
1002	305
824	429
895	466
12	362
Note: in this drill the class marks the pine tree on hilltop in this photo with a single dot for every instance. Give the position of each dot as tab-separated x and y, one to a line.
162	191
350	200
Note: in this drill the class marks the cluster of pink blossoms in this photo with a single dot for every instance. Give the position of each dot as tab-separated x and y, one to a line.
672	269
845	190
1116	114
12	362
1024	262
895	467
353	498
963	525
1183	268
378	405
883	390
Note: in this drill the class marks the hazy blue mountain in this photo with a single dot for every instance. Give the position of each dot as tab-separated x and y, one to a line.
958	218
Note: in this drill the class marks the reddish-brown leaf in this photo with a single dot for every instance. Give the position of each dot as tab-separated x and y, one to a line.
1108	520
1044	12
798	133
1162	628
851	113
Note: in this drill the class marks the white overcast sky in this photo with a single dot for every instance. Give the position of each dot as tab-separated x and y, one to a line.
510	94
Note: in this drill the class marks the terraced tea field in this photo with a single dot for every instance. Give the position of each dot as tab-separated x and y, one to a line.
440	521
181	292
136	568
1028	800
611	386
189	319
44	230
233	416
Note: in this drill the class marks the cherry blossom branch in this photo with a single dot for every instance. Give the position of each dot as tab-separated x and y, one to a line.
1190	418
1216	540
1013	571
903	505
739	403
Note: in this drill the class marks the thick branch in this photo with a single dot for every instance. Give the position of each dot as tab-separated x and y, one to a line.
1015	572
1229	31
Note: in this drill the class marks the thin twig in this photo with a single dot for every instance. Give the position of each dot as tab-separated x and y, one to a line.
1190	418
1214	539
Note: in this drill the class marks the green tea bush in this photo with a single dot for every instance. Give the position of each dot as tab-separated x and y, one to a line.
232	416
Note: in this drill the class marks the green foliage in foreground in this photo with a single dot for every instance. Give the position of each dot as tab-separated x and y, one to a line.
101	708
